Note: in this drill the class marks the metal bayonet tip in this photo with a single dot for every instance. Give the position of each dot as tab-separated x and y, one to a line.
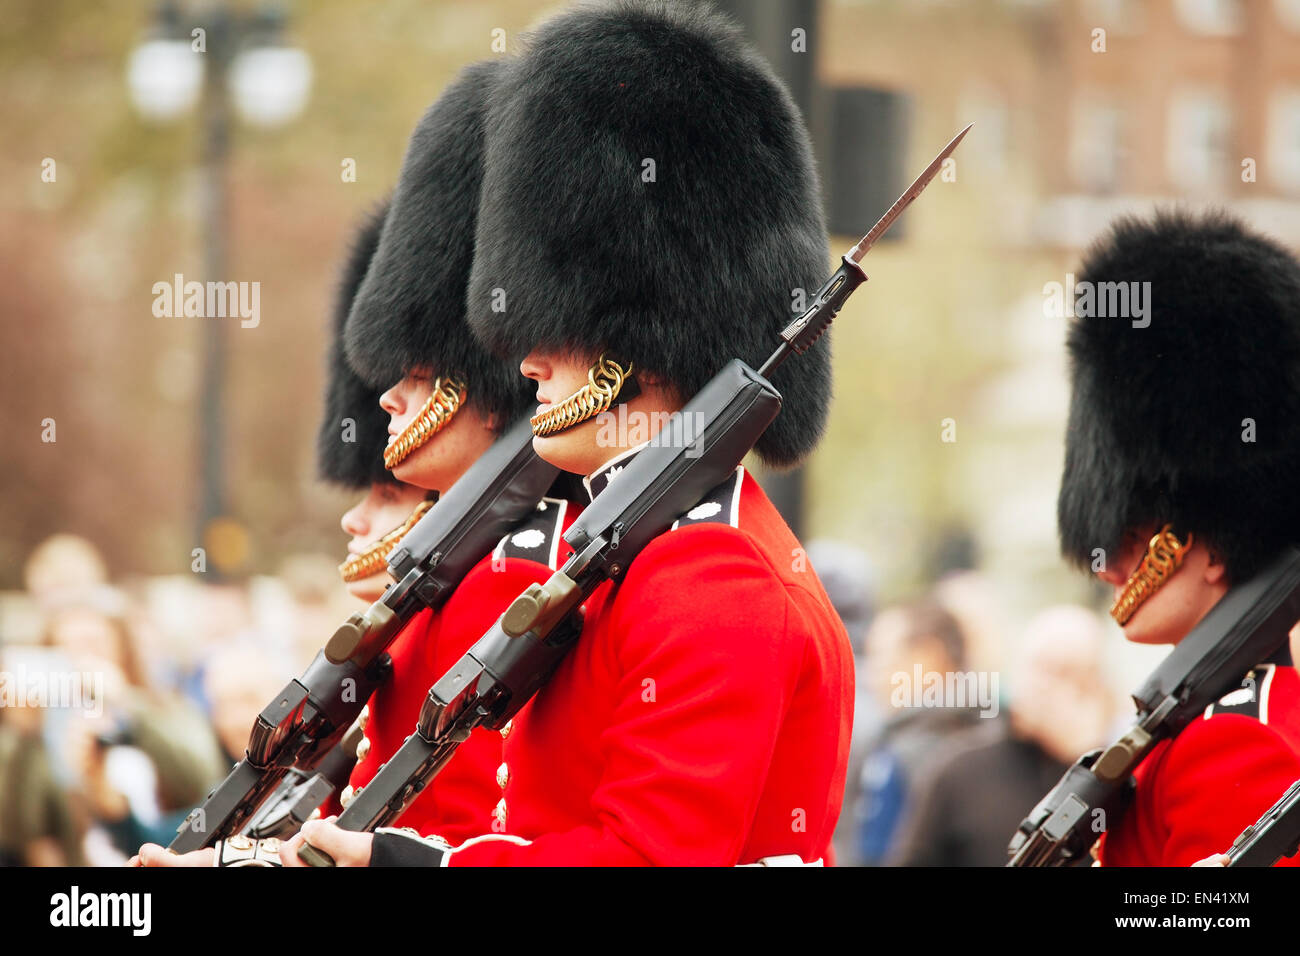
905	200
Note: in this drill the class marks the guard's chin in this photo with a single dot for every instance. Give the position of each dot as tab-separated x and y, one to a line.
563	450
1136	633
410	471
369	589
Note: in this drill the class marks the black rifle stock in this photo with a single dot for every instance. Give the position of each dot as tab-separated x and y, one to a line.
1248	624
1274	835
306	720
302	791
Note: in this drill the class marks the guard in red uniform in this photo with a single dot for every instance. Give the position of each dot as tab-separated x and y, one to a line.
350	445
350	451
407	326
1180	478
650	207
451	399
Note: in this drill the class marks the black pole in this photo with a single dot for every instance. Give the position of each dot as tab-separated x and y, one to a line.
212	215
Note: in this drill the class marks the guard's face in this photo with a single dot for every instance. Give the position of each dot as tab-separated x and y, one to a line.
558	376
384	508
442	459
581	449
1176	606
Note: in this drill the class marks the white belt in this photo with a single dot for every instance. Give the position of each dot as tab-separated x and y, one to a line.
786	859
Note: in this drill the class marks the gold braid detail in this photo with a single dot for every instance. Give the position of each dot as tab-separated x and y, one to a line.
374	559
437	411
604	382
1164	556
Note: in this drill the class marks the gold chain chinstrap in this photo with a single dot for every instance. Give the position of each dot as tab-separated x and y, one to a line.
604	382
375	558
437	412
1164	556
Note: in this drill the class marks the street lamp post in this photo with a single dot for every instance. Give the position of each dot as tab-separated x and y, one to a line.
238	59
214	152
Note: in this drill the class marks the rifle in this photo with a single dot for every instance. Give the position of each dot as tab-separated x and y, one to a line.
697	449
1249	623
302	791
1274	835
309	716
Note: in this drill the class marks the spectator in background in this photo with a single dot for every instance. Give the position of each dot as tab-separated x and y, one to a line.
141	759
311	584
850	582
62	568
39	824
237	682
989	778
970	595
900	752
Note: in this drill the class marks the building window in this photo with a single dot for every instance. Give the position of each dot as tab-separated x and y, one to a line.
1097	149
1284	140
1196	148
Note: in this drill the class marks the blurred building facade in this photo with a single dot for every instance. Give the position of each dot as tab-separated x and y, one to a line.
1083	110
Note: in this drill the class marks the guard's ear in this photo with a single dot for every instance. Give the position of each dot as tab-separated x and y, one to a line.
668	391
1215	570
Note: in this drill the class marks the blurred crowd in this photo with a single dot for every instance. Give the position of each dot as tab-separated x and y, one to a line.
941	780
123	703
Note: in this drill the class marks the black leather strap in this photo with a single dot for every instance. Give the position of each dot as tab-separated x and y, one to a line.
398	848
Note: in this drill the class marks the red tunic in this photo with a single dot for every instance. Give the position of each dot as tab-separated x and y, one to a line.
703	717
460	800
1197	792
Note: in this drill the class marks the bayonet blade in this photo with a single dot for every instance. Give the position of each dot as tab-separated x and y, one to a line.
905	200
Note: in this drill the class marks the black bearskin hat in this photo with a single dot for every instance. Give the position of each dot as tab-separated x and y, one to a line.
1193	419
357	463
650	191
410	311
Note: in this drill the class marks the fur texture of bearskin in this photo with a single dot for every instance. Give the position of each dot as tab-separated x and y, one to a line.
358	463
650	192
410	310
1194	419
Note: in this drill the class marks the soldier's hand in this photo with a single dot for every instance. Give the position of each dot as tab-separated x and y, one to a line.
151	854
346	847
1217	859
